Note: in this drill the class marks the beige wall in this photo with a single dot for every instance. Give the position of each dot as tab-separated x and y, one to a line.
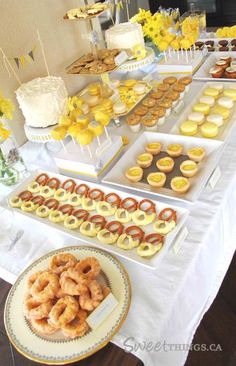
19	20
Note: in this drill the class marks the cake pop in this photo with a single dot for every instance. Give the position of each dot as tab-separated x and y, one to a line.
75	113
82	119
59	133
65	121
104	119
85	137
97	128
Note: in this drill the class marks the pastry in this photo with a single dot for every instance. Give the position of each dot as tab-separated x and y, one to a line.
174	150
211	49
167	104
228	59
130	83
139	88
134	122
92	100
223	42
222	64
230	73
170	80
164	227
157	179
188	168
165	164
212	92
180	184
209	129
196	153
209	43
180	88
219	87
156	95
119	107
199	44
225	102
94	89
174	96
216	73
196	117
188	128
144	160
107	105
96	128
201	107
230	93
153	148
163	87
149	102
142	218
141	111
218	109
159	112
215	118
83	120
186	81
207	99
223	49
150	123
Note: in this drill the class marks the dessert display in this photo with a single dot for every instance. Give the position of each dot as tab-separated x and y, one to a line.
216	45
211	113
86	12
224	68
124	36
158	104
60	298
42	101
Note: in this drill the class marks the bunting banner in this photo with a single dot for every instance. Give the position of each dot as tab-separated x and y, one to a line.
25	59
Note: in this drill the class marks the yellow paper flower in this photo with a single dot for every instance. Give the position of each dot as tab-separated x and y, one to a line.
139	52
6	107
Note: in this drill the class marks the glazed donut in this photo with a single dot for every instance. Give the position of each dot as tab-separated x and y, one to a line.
61	262
129	204
164	227
35	309
107	237
96	194
28	206
43	211
51	203
81	214
72	283
15	202
87	228
88	204
98	220
115	227
135	232
69	185
82	190
123	216
53	183
64	311
61	194
57	216
66	209
42	326
105	208
34	187
42	179
92	298
89	268
167	214
77	327
74	199
46	191
141	218
25	195
38	200
113	199
147	206
45	287
71	222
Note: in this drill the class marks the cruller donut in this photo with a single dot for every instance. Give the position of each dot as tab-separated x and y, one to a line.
42	179
129	204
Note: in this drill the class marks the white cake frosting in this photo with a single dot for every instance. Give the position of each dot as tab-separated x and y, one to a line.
124	35
42	101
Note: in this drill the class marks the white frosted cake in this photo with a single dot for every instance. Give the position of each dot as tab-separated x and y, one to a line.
42	101
124	35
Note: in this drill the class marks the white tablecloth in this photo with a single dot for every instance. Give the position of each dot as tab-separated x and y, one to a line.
169	303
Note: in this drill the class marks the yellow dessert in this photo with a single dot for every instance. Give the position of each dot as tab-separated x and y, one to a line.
225	112
96	127
107	105
156	180
188	128
144	160
230	93
85	137
188	168
202	107
180	184
94	89
59	133
130	83
83	120
196	153
174	150
165	165
209	129
74	129
134	174
75	113
103	118
65	121
153	148
212	92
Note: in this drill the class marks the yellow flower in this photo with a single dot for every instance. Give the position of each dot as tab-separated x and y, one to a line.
139	51
149	28
73	103
6	107
141	16
4	134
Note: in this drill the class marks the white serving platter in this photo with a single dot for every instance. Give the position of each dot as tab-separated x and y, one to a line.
152	263
224	131
203	71
213	149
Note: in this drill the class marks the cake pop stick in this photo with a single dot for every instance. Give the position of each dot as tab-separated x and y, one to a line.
59	133
84	138
104	119
73	131
97	128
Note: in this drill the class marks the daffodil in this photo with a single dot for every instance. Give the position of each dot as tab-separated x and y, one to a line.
141	16
139	52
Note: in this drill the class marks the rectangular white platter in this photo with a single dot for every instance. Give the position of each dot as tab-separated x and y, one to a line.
224	131
203	71
213	149
152	263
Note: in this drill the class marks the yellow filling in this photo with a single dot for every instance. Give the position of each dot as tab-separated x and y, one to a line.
134	171
180	183
156	178
165	162
173	147
197	152
153	145
144	158
188	167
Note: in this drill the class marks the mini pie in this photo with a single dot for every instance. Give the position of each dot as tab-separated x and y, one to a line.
170	80
180	184
134	174
144	160
141	111
149	121
157	179
153	148
196	153
188	168
165	164
163	87
156	95
174	150
149	102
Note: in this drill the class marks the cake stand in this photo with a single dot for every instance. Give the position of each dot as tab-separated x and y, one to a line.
40	135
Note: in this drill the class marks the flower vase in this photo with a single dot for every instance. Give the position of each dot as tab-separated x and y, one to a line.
149	43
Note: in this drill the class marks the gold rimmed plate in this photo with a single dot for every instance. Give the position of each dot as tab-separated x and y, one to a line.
60	350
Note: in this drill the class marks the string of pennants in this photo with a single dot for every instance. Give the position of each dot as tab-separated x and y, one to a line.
26	58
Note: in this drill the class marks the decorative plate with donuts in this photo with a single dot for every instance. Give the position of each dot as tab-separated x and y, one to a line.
53	311
137	229
219	66
166	165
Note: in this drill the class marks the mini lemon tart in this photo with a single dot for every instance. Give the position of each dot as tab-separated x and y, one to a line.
156	180
134	174
188	128
209	130
165	165
174	150
196	153
188	168
202	107
212	92
144	160
180	184
153	148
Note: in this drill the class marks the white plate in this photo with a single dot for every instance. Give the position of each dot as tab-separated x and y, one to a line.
182	215
49	350
224	131
116	176
203	71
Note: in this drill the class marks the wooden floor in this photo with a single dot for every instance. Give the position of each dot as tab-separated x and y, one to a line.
217	327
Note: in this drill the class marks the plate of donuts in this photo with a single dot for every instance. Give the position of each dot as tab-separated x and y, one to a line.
137	229
67	305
